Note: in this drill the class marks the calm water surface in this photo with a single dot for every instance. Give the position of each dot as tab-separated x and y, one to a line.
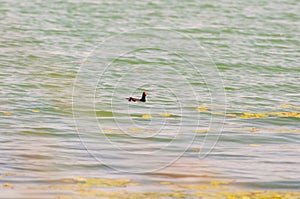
222	79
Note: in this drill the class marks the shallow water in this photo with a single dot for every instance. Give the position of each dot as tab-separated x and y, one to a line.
223	94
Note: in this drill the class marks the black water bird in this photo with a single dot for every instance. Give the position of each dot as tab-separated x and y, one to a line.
143	99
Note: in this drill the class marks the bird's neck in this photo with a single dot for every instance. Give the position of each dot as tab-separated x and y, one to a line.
143	99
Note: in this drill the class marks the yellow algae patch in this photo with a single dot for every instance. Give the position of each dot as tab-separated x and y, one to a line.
209	195
282	130
289	114
8	185
112	131
35	111
254	145
107	131
95	193
285	114
137	130
146	116
257	195
202	108
178	195
230	115
262	115
279	130
95	188
79	179
102	182
286	105
165	114
244	117
247	115
79	182
219	182
292	114
126	194
253	129
7	113
202	131
212	186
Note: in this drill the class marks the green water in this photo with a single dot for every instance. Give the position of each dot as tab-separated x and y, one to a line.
222	79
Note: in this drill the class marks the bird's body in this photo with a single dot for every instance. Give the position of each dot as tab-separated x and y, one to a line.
143	99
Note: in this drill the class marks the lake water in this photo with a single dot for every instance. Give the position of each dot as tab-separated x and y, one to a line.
222	108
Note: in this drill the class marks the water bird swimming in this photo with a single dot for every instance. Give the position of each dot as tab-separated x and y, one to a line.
143	99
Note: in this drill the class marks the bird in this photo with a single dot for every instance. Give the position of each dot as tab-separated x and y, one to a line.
143	99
